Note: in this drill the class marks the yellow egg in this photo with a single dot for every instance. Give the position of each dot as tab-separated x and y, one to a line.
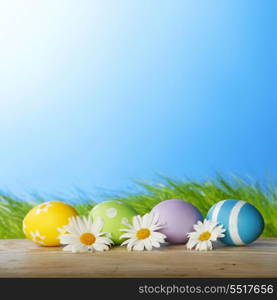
42	223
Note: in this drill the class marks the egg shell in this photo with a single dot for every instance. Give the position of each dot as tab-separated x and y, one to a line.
242	221
178	217
113	213
42	222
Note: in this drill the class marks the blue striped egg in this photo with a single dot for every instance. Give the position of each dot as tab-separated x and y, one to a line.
242	221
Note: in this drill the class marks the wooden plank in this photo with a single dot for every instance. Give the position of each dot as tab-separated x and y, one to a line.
22	258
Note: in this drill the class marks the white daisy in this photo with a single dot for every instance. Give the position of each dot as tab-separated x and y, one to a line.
205	233
143	233
83	235
43	207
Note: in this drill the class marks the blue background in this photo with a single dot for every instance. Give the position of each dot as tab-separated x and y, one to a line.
96	93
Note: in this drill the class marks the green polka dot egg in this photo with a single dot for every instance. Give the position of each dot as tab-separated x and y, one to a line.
114	214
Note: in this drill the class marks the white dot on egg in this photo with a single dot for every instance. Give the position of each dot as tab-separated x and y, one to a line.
111	212
119	202
124	221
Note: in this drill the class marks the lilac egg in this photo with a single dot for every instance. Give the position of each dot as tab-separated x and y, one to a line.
178	217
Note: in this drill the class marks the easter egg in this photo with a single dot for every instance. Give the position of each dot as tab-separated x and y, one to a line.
242	221
42	223
114	214
178	218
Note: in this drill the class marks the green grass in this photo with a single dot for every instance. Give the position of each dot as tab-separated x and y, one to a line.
202	194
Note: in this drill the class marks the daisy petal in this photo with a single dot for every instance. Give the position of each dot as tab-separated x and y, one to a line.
125	242
203	246
139	246
126	235
131	243
136	223
159	235
156	218
97	225
148	244
191	243
68	239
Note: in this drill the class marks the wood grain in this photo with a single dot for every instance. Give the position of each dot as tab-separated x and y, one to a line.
22	258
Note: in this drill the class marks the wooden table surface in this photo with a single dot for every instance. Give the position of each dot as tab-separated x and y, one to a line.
22	258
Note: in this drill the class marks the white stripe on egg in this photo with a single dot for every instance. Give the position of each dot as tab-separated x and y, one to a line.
216	210
233	223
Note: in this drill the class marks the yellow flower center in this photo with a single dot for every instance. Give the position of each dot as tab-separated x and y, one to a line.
143	233
204	236
87	239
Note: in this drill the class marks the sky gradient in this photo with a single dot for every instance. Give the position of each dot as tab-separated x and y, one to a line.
95	94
